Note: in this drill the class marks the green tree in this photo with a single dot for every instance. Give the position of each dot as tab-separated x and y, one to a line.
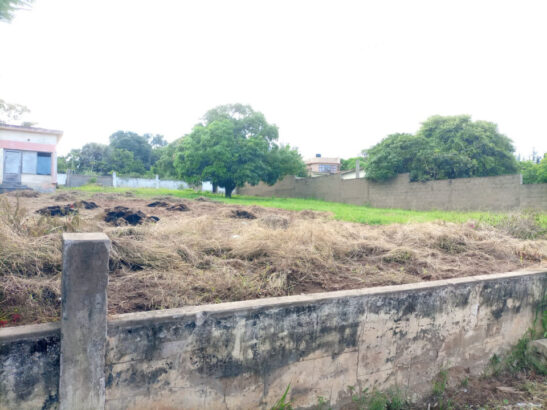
349	164
444	147
542	171
123	162
135	143
479	143
164	166
393	155
61	164
281	161
534	172
156	141
9	7
233	146
90	158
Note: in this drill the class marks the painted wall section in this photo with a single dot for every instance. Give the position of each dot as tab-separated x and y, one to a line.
242	355
485	193
24	136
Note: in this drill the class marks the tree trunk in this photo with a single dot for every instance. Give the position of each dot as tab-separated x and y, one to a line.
215	188
228	191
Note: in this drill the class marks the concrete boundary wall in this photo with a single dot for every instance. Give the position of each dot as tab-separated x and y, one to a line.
74	180
242	355
485	193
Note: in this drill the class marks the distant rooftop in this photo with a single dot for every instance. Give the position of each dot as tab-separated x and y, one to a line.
23	128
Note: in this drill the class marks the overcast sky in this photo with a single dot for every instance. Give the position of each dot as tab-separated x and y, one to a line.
336	76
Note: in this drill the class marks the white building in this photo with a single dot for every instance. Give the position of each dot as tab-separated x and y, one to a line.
28	158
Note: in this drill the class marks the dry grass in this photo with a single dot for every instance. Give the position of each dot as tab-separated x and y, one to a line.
206	255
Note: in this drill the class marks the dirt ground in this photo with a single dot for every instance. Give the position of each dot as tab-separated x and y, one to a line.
205	252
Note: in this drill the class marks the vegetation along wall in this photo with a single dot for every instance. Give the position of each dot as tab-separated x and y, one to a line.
484	193
243	355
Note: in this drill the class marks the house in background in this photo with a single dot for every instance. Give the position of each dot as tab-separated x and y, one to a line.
28	158
319	166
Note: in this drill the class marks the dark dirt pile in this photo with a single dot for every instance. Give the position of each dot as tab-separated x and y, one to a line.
155	204
179	207
162	204
64	210
58	210
85	204
241	214
121	215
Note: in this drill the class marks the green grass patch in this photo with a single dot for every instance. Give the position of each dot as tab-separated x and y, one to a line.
343	212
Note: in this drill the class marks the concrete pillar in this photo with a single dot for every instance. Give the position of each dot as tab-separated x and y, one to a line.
357	170
83	320
157	181
114	179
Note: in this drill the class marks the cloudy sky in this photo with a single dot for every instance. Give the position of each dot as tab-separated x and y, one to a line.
335	76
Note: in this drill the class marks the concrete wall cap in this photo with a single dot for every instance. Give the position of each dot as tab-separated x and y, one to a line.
165	315
85	237
18	333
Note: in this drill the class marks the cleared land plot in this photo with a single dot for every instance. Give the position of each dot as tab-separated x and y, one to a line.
343	212
204	250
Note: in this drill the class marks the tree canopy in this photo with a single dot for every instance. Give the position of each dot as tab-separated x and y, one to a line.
137	144
534	172
443	148
127	153
9	7
349	164
234	145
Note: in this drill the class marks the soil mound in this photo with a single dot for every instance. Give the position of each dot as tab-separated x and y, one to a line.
241	214
157	204
57	210
275	221
85	204
120	215
178	207
64	197
25	193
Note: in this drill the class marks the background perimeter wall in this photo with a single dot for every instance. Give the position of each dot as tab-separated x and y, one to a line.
484	193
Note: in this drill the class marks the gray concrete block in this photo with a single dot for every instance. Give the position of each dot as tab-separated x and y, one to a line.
83	320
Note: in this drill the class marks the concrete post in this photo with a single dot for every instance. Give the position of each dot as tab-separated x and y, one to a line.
357	170
83	320
157	181
114	179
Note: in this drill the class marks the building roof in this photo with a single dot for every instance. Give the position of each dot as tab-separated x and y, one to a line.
323	160
30	129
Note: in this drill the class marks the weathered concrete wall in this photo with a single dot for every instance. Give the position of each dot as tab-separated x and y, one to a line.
73	180
29	367
533	194
242	355
40	183
487	193
126	182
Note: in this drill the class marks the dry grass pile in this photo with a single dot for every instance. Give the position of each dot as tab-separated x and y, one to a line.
206	255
